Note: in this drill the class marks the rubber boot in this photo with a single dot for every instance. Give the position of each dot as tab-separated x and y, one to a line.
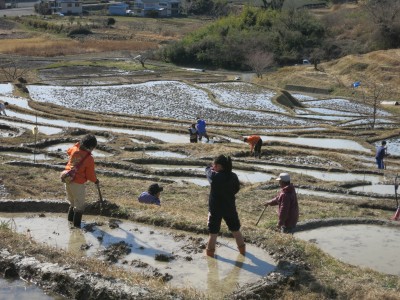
242	249
77	219
71	214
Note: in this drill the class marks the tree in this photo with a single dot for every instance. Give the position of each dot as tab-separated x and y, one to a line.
386	15
141	57
372	94
273	4
258	61
10	69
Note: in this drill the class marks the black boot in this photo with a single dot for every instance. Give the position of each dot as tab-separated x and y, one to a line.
77	219
70	214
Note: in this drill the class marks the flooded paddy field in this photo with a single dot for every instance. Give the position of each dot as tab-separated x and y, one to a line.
369	246
142	130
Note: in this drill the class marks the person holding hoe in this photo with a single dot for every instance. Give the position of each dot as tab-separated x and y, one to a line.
221	203
82	162
255	143
288	207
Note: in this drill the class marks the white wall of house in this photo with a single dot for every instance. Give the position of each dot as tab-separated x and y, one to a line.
66	6
166	8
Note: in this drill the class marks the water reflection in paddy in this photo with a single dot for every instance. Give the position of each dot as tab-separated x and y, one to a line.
244	176
327	176
30	156
166	154
18	290
189	267
320	143
371	246
383	189
63	147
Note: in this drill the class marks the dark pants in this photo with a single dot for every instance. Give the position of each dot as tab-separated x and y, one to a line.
257	148
215	219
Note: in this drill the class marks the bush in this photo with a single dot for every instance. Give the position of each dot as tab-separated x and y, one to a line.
79	31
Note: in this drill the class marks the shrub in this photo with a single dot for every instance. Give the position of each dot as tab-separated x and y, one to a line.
79	31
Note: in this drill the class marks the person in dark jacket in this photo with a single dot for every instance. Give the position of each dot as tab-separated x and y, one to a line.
221	203
380	154
288	207
152	196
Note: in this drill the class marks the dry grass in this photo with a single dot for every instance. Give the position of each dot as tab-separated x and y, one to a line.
59	47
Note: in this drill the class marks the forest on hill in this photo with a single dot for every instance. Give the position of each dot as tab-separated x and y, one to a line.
275	35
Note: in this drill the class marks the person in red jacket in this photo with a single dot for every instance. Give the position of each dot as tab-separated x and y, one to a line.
288	207
255	143
75	189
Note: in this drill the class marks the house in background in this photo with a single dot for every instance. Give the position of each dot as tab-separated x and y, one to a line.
156	8
118	9
66	7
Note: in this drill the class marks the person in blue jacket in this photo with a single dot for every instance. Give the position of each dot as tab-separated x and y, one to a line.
380	154
221	203
201	129
152	196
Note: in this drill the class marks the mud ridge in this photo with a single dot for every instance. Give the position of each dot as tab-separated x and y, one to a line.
68	282
317	223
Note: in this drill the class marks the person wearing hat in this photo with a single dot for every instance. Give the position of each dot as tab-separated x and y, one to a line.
255	143
152	196
288	207
380	154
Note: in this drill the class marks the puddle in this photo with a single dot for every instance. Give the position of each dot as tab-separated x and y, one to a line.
326	176
320	143
30	156
137	141
19	289
63	147
244	176
325	194
382	189
166	154
198	181
6	88
188	265
47	130
371	246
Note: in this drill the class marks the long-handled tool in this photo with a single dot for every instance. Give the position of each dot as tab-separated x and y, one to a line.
100	197
261	215
396	216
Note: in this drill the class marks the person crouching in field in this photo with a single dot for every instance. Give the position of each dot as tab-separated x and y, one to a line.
193	133
80	155
255	143
221	203
288	207
152	196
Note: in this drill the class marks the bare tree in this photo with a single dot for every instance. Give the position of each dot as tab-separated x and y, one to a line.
10	70
258	61
386	16
141	58
372	94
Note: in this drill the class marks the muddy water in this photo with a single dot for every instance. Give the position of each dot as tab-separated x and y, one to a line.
189	266
372	246
18	289
165	154
306	192
63	147
320	143
383	189
244	176
42	129
27	155
327	176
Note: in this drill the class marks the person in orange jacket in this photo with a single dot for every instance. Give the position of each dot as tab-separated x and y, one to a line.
80	152
255	143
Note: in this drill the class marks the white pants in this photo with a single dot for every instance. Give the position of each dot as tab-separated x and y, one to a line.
76	195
